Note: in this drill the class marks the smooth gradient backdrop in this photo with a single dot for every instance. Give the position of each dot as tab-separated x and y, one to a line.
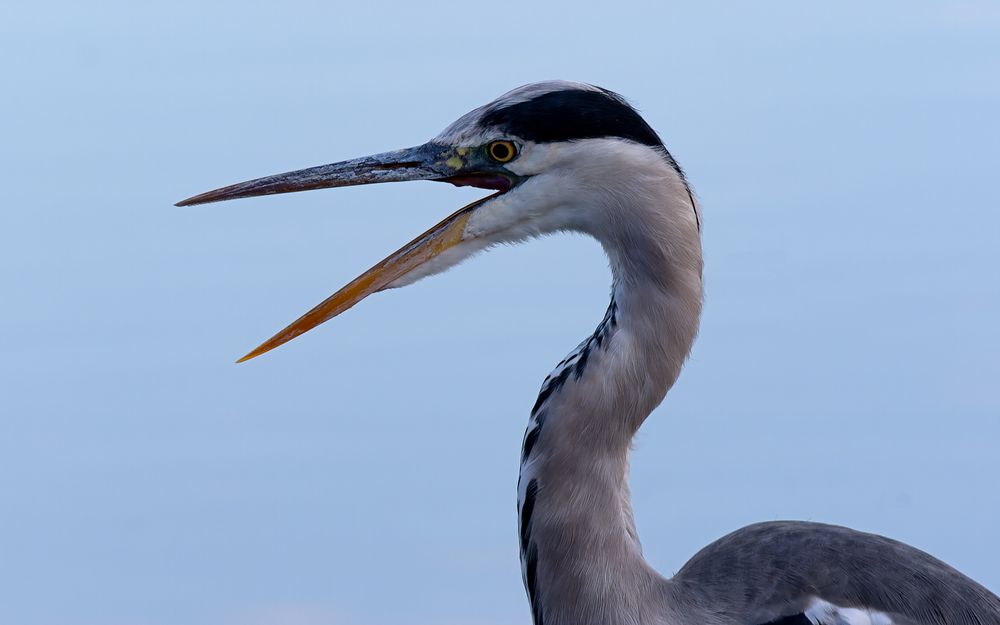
846	157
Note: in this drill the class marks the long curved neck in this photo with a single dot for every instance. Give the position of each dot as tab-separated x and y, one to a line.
581	558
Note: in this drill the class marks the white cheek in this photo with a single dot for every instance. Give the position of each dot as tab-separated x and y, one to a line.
535	158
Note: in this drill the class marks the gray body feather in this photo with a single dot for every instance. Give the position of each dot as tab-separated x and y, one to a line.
767	571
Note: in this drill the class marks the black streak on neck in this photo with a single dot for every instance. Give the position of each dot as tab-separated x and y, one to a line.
529	551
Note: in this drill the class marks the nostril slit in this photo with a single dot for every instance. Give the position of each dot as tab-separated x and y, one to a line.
397	165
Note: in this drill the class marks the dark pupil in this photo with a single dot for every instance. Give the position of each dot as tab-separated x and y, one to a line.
500	151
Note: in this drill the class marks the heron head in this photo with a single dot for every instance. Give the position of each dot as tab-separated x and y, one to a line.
551	151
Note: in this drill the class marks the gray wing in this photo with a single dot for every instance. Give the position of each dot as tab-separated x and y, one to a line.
795	573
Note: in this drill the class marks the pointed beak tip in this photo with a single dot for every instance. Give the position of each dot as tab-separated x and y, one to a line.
201	198
250	356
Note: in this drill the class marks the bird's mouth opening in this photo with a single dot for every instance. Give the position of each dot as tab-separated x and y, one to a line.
496	182
439	247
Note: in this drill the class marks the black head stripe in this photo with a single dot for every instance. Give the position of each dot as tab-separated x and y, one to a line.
573	114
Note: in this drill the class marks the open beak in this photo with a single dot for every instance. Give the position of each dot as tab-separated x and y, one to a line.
460	166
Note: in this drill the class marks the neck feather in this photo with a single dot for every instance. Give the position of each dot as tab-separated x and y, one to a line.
581	558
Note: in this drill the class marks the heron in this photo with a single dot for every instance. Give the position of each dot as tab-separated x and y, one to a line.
565	156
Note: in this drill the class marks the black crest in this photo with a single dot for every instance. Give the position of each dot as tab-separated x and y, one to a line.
573	114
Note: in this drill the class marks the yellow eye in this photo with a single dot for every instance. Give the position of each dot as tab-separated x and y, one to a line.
501	151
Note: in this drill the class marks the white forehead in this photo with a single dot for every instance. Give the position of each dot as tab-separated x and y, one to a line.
467	128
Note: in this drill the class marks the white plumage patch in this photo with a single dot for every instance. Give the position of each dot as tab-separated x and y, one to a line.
822	612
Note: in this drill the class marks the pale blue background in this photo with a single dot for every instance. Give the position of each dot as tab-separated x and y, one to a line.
847	371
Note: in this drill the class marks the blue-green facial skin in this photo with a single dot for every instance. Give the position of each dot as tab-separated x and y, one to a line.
472	166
